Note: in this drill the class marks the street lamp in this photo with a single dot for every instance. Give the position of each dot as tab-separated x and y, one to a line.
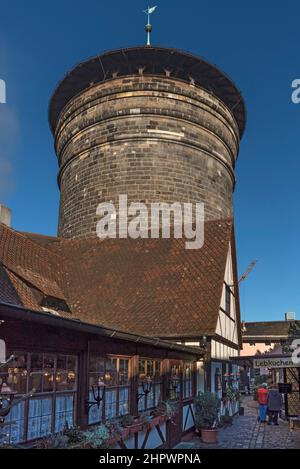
146	383
98	394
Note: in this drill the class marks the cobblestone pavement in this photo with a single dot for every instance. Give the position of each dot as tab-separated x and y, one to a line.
247	433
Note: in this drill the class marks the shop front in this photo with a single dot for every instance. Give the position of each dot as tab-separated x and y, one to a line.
83	375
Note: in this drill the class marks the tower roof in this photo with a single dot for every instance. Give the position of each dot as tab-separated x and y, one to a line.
154	61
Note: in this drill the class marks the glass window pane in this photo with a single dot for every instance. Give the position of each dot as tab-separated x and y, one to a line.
13	429
39	418
95	414
123	372
65	373
36	372
48	368
157	388
123	401
64	412
16	374
110	403
110	376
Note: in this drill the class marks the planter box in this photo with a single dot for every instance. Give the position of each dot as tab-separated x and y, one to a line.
135	428
125	433
113	440
209	436
153	422
162	419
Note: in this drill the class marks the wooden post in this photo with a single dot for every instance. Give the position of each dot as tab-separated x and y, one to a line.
165	378
134	382
83	390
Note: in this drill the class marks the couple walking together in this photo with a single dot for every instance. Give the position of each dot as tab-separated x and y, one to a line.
270	403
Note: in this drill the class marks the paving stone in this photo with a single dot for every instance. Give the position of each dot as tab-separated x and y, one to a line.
247	433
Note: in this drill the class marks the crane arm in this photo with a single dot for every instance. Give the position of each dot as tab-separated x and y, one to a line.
247	272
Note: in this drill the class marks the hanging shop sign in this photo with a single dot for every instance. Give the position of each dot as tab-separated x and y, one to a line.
276	362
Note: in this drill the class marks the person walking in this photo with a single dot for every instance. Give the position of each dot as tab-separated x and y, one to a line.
262	397
274	404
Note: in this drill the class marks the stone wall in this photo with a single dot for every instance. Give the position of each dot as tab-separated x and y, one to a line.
153	138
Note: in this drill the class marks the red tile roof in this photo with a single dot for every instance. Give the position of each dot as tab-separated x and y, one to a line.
152	287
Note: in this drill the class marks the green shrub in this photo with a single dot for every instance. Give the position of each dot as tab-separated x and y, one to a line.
56	441
207	407
97	438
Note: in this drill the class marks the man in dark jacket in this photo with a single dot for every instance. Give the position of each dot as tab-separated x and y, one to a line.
274	404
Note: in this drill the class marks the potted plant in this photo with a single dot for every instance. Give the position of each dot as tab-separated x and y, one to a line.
131	424
115	432
207	407
97	438
55	441
75	437
166	410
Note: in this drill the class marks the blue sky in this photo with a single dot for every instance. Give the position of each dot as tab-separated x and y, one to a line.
255	43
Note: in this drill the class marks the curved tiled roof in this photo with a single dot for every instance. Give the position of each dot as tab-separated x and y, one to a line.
151	287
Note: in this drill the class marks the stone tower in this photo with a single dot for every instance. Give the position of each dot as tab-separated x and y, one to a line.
157	124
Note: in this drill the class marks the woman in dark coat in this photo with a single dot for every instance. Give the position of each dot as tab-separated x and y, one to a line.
274	404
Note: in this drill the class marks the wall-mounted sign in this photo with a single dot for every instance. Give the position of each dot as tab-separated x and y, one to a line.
281	362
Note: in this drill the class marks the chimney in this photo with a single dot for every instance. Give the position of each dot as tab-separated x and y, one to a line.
5	215
290	316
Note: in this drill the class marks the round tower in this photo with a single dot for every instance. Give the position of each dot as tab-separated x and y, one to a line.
157	124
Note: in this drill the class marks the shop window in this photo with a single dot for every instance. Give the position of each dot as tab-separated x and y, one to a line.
42	372
64	412
13	429
114	373
150	382
65	373
16	374
53	405
39	418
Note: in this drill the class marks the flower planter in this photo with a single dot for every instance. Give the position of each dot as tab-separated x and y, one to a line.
112	441
125	433
79	445
135	428
209	436
162	419
154	421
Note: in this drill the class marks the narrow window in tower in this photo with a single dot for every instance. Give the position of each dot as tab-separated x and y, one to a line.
227	299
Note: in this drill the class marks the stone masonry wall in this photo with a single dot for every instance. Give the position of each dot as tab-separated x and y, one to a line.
155	139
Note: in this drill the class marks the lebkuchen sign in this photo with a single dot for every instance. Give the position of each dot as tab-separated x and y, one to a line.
276	362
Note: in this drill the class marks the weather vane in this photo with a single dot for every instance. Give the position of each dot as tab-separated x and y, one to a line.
148	25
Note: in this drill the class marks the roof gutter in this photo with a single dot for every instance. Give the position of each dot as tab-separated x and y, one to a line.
18	312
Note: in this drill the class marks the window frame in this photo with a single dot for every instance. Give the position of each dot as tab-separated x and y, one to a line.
116	387
156	382
52	395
